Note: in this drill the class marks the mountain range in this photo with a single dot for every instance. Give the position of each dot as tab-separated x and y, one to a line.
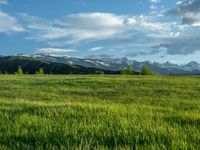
117	64
67	64
29	64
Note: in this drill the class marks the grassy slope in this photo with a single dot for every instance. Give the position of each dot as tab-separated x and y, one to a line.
74	112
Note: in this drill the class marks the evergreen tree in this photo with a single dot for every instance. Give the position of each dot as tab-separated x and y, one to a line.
172	74
100	72
20	71
128	70
40	71
146	71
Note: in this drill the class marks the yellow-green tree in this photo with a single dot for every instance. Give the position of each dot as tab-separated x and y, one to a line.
20	71
146	71
128	70
40	71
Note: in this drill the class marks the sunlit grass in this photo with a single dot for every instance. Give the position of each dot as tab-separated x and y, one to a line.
99	112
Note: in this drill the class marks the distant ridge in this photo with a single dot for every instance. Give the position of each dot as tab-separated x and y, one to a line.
59	64
9	64
117	64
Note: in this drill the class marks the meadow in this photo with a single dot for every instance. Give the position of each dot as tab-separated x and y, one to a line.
99	112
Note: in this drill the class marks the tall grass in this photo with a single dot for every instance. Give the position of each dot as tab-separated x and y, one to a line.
99	112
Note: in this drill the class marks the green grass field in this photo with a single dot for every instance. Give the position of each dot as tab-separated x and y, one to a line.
99	112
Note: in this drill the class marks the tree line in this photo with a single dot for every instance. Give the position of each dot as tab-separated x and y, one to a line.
20	71
128	71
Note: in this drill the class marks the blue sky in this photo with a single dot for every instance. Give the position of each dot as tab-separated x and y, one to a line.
143	30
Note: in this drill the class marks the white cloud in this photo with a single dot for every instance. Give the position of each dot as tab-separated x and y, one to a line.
188	11
154	1
3	2
179	2
130	21
147	23
76	28
174	34
156	9
9	24
113	31
55	50
96	48
87	27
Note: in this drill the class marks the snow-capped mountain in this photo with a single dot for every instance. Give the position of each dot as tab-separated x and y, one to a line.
116	64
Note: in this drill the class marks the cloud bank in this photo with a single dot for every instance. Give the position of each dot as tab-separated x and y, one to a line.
189	11
140	35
